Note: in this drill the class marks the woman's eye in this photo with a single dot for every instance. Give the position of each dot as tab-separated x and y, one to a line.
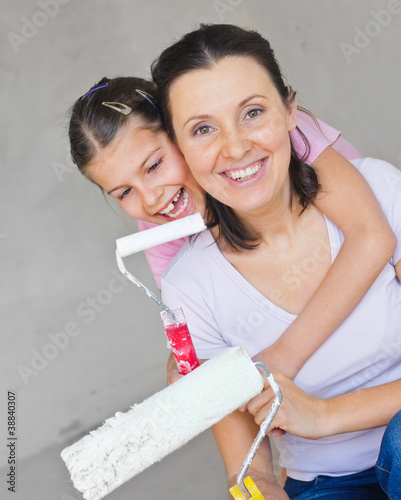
253	113
155	166
205	129
125	193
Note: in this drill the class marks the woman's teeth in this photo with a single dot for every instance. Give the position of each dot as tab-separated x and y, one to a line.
168	210
243	175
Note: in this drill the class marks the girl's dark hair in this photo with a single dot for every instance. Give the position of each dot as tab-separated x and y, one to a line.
201	49
93	125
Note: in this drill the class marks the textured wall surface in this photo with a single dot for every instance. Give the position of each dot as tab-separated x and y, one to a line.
77	344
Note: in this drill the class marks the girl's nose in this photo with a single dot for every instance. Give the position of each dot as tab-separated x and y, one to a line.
152	196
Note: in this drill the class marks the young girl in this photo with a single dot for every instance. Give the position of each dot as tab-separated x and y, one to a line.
118	141
263	221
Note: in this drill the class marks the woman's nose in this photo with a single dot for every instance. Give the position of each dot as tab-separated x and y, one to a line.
235	144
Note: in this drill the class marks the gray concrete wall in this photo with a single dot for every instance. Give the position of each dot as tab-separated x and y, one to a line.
73	364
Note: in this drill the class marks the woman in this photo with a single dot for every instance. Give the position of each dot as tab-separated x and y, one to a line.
230	113
119	142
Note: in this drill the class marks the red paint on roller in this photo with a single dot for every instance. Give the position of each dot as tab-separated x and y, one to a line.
180	341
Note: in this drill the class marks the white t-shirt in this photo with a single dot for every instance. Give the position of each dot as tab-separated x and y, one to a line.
223	309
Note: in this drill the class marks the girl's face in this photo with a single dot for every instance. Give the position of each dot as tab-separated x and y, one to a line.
147	175
233	130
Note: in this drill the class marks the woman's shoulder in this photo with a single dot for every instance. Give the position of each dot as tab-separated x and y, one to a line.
380	174
374	165
385	182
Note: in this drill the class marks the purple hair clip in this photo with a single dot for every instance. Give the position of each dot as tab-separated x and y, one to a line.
93	89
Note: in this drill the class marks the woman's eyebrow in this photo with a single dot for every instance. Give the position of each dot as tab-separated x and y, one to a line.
197	117
245	101
140	167
242	103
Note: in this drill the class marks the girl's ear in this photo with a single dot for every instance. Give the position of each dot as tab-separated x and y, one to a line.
292	110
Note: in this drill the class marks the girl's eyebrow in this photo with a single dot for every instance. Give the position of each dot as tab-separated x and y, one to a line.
140	167
242	103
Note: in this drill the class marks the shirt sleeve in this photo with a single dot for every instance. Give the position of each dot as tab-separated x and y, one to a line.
159	257
320	136
385	182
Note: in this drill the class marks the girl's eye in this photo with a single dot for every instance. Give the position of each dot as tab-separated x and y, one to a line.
155	166
125	193
253	113
205	129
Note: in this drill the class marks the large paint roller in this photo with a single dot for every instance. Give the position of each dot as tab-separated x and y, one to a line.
174	321
128	443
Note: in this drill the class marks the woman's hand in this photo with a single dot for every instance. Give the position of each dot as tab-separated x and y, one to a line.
299	413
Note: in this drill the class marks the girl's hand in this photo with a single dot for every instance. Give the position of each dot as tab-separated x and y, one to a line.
299	413
172	371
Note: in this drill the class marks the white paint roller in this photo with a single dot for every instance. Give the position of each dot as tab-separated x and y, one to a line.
128	443
174	322
161	234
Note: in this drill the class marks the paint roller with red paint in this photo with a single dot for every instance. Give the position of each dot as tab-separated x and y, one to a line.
174	322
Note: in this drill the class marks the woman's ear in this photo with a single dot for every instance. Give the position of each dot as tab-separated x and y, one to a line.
292	109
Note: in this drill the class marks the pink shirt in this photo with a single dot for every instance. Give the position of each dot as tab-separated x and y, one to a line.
159	257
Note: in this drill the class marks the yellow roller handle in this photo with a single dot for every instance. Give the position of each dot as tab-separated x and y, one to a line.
251	487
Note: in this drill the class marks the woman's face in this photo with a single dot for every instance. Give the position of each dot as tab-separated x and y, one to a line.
147	175
233	130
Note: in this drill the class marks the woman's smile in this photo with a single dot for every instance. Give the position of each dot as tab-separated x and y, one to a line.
246	173
233	129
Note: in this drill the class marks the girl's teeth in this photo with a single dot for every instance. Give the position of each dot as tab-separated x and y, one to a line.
167	210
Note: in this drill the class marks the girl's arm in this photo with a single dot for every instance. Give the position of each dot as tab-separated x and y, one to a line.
347	200
234	436
398	269
313	418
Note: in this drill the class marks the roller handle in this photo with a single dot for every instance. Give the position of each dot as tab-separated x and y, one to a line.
160	234
264	426
180	341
